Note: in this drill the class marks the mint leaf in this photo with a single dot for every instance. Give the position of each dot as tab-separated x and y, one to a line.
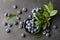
44	26
39	22
38	35
54	12
46	14
49	18
12	17
48	24
46	8
50	6
38	15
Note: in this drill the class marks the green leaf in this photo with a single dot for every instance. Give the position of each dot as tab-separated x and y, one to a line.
38	15
49	19
38	35
12	17
44	26
39	22
50	6
48	24
46	14
46	8
54	12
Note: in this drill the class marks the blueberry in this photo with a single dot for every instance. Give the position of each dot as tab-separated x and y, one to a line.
29	27
10	25
16	23
23	35
47	34
31	31
18	18
19	12
54	27
27	22
47	30
20	26
33	19
24	9
34	10
35	30
44	32
7	14
26	26
8	30
40	10
6	24
15	6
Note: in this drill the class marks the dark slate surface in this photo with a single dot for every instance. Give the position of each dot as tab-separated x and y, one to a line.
6	6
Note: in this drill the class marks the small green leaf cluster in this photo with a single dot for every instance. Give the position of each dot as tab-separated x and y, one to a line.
43	19
12	17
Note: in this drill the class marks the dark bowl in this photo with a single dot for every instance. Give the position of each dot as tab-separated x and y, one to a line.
27	29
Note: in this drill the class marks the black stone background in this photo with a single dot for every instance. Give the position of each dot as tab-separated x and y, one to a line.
6	6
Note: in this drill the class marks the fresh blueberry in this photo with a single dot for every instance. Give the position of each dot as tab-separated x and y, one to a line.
47	34
27	21
16	23
15	6
47	30
26	26
54	27
7	14
19	12
6	24
41	10
44	32
24	9
29	24
8	30
35	30
23	35
34	10
18	18
29	27
10	25
31	31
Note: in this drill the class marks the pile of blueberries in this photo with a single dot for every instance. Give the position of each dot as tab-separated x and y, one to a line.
17	22
30	26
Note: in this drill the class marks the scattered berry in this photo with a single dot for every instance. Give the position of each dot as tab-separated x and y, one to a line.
15	6
8	30
23	35
24	9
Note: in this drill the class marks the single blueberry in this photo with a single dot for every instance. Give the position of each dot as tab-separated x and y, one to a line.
54	27
15	6
8	30
47	34
23	35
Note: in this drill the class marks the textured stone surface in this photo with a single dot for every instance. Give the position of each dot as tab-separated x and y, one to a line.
6	6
